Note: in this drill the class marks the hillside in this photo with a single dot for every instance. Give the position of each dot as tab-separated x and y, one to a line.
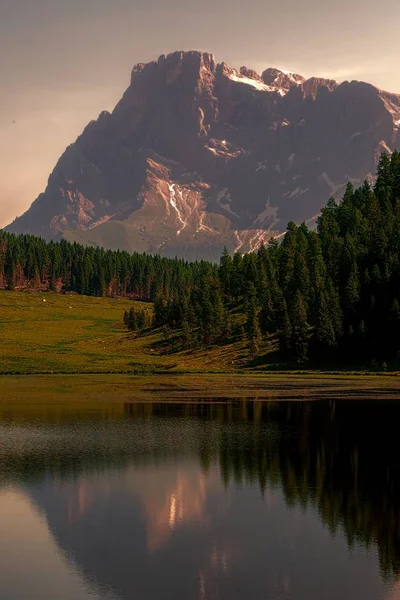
57	333
197	156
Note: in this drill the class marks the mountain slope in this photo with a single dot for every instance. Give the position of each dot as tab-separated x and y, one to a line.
197	155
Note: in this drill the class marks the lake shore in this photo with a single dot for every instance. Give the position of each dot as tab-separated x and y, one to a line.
192	387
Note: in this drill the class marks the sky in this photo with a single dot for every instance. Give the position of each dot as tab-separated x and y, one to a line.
64	61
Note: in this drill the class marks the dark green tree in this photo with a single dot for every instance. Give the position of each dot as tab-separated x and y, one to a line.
300	330
132	320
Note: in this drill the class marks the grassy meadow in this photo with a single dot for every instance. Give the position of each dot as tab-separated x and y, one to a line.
56	333
42	333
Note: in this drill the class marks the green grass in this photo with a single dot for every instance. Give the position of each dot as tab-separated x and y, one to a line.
43	333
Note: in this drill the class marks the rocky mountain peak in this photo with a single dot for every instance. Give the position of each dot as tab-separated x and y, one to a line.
312	86
281	79
250	73
168	68
197	156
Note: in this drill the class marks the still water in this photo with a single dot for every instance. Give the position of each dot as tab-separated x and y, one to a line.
204	501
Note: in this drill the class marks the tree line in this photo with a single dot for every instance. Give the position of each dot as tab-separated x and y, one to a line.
29	262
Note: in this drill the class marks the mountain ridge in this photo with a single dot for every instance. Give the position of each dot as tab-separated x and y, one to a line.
197	156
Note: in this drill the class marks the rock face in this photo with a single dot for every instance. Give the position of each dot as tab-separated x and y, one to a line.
198	155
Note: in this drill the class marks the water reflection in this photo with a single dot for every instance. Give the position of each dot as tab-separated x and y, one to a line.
31	564
208	500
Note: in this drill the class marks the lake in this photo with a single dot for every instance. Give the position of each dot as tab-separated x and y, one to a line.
203	500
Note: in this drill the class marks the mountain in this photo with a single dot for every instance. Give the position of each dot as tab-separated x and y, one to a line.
198	155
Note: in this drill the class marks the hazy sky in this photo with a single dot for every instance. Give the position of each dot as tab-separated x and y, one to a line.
63	61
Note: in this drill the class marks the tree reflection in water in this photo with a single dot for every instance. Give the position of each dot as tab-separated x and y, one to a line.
339	458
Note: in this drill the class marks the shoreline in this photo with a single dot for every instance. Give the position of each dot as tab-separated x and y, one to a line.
182	372
191	387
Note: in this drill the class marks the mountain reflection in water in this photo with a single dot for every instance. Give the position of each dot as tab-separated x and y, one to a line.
205	500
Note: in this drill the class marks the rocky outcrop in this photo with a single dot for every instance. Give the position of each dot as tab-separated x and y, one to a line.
197	156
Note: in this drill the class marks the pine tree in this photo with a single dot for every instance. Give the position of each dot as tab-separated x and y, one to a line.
226	326
218	315
395	180
267	313
186	335
353	287
317	272
335	312
285	340
384	182
132	321
253	326
237	278
160	312
324	329
225	272
300	334
287	256
140	319
362	331
331	241
301	275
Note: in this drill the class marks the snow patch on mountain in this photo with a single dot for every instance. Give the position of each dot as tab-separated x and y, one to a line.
261	87
173	201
